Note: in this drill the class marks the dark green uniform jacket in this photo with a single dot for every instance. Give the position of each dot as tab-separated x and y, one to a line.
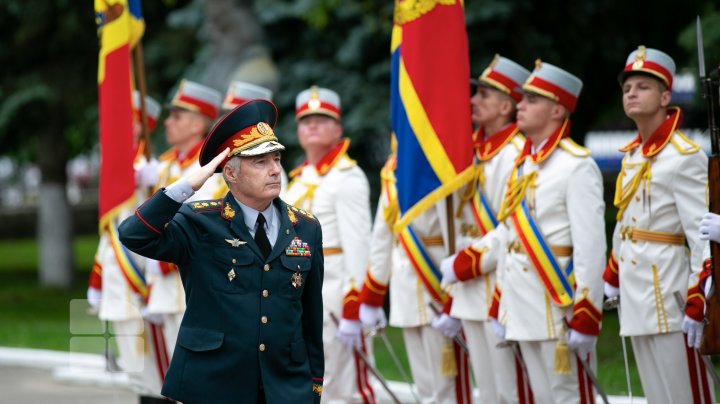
249	322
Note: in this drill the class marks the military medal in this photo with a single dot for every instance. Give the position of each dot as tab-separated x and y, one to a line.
297	248
296	279
231	275
235	242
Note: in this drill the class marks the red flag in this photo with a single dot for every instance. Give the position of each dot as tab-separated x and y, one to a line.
118	30
430	103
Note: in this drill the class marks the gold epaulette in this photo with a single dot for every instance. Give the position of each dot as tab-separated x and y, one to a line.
212	204
518	141
573	148
683	144
345	163
294	213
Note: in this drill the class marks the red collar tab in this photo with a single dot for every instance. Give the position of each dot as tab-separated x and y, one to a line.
485	149
327	161
657	141
550	145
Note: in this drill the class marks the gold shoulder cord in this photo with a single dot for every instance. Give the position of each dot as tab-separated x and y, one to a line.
515	194
624	194
477	179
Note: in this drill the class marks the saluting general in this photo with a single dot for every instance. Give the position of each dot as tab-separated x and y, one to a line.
252	269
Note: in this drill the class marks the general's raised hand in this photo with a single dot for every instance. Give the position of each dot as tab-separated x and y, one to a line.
198	177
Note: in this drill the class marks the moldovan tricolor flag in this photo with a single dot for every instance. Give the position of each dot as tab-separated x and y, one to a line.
430	103
120	26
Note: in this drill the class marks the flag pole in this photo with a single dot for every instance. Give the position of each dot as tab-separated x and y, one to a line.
139	64
450	223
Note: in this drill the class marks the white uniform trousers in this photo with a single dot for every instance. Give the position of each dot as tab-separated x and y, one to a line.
549	387
669	371
424	346
346	379
137	356
171	328
497	375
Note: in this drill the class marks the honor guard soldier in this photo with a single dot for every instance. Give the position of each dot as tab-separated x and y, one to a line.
554	215
656	250
193	108
240	92
252	268
117	285
498	142
331	186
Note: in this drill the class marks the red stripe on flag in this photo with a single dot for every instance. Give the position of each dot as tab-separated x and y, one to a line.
434	51
117	178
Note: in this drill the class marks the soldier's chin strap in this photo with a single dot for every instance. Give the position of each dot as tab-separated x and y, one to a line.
610	304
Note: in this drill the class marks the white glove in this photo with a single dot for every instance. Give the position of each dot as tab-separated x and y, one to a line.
448	326
94	296
710	227
349	334
372	316
155	318
611	291
153	267
147	174
694	331
498	329
583	344
448	270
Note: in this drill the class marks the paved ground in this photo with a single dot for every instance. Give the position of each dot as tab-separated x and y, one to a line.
30	376
20	385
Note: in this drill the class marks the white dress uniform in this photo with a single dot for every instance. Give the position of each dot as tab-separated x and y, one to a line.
336	191
563	195
661	215
498	375
657	253
495	369
433	359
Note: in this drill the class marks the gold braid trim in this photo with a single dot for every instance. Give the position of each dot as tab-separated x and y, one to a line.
624	194
477	179
515	194
391	210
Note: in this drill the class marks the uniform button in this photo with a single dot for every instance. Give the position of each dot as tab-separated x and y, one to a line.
263	319
634	219
234	261
266	267
637	198
525	269
262	347
265	293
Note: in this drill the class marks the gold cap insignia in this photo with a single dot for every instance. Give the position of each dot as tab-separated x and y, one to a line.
264	128
314	102
639	58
